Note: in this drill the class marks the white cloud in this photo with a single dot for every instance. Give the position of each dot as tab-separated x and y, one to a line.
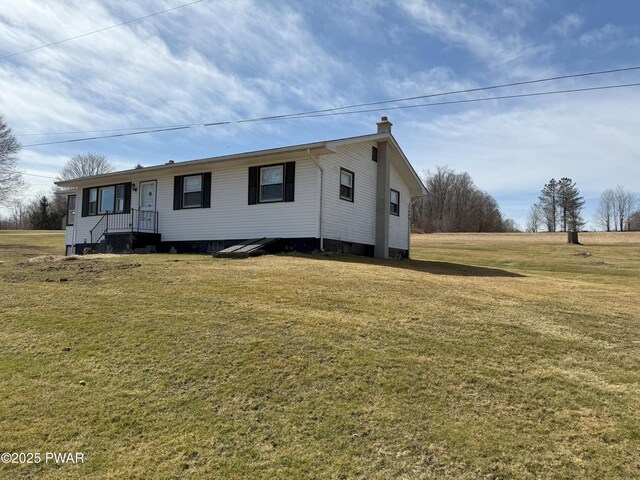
590	137
399	83
608	37
207	62
481	33
567	25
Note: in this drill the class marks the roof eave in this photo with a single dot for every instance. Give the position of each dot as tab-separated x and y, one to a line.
318	148
420	191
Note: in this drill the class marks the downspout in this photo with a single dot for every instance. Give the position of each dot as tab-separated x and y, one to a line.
317	162
409	221
74	231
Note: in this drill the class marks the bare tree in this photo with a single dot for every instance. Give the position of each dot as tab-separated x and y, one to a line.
623	203
634	221
58	200
455	204
19	215
10	177
535	218
510	225
604	213
85	165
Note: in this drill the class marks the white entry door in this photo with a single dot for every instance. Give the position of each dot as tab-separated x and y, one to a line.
146	219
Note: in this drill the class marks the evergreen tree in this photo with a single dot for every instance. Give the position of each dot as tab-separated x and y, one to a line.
571	205
549	204
40	215
561	205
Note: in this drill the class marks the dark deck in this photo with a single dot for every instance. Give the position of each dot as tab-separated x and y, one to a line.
248	248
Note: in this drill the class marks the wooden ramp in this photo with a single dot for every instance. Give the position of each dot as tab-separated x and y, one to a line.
248	248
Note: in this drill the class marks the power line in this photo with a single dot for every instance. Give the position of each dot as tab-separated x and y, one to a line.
478	89
100	30
369	104
333	113
473	100
41	176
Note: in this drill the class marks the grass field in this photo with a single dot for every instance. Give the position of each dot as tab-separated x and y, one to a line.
487	356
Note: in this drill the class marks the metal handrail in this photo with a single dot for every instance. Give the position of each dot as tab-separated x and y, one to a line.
99	224
136	220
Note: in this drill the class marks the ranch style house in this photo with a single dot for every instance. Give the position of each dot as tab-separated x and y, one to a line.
350	195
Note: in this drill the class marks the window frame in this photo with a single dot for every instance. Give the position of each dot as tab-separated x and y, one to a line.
283	182
93	212
100	202
352	187
184	191
123	188
75	207
397	212
98	190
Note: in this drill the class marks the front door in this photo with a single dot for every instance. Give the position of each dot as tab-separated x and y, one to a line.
146	219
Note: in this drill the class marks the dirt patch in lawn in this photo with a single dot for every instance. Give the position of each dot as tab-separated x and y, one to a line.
64	258
50	268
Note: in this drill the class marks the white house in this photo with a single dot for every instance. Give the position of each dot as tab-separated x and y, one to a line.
350	195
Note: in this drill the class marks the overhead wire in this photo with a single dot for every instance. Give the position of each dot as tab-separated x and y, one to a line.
367	104
334	113
57	42
41	176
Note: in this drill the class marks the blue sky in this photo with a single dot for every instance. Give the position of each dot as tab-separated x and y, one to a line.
225	60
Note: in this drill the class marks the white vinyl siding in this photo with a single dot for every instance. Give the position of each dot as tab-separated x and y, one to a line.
68	235
350	221
232	218
399	224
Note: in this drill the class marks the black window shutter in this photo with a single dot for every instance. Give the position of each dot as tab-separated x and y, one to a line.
177	193
85	202
289	181
127	197
206	190
374	154
253	185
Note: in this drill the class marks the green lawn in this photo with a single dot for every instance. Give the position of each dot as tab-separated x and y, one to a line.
487	356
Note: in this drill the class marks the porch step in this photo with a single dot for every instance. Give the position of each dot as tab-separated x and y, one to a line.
129	242
248	248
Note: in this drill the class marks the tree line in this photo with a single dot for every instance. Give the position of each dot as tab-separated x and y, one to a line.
454	203
616	210
47	211
560	207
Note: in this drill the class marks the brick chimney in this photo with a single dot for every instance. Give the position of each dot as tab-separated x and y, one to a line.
384	125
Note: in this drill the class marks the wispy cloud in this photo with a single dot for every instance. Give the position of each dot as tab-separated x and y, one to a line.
609	37
511	149
237	59
401	83
567	25
226	59
477	31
